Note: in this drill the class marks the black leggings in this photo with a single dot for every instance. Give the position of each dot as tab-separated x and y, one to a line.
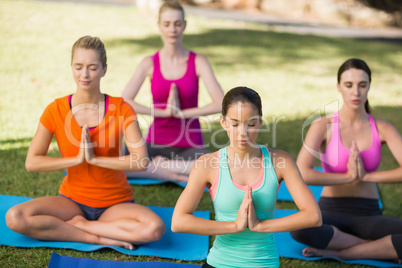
361	217
206	265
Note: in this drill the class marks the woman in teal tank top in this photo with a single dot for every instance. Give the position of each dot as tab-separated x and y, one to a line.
243	181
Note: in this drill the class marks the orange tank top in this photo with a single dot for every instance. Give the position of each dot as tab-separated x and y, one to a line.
87	184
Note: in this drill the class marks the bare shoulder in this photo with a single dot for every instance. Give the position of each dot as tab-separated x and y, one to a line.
382	124
201	63
322	122
207	165
282	163
385	129
200	58
319	127
147	65
278	155
208	161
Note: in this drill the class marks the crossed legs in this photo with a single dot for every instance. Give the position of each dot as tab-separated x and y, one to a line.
168	163
346	236
354	247
164	169
57	218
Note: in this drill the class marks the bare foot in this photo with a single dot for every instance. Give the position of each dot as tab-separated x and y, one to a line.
117	243
181	178
78	220
315	252
163	170
309	252
161	162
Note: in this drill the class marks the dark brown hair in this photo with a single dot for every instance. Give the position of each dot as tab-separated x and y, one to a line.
243	95
359	64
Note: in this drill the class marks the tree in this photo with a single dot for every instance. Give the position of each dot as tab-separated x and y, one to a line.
393	7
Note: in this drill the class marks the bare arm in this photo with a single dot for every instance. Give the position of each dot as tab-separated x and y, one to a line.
137	160
390	135
37	161
215	91
143	70
183	219
309	214
310	150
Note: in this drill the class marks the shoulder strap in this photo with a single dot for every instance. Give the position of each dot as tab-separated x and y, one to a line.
374	130
156	62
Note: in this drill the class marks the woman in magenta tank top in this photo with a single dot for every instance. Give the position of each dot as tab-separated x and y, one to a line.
243	180
349	144
174	140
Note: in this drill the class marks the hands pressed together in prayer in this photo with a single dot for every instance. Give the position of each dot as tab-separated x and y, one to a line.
86	152
355	166
247	217
173	103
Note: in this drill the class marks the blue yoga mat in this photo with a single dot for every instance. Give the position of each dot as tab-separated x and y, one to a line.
289	248
146	181
284	195
181	246
58	261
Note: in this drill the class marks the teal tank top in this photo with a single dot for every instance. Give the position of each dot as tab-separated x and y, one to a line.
247	248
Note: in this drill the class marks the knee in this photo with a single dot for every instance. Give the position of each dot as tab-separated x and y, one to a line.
154	230
16	220
396	240
317	237
301	236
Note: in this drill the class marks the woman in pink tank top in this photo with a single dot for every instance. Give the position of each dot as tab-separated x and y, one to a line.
174	139
349	144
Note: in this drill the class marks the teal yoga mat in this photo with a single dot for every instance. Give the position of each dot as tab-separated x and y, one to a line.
289	248
172	245
58	261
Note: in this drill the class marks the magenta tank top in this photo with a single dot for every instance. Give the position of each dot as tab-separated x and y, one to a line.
336	155
173	131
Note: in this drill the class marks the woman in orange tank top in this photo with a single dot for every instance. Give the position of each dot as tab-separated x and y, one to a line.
95	203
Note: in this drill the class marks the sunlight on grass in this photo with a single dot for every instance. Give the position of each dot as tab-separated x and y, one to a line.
294	74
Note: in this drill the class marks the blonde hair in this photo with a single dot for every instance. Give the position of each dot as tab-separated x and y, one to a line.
89	42
170	4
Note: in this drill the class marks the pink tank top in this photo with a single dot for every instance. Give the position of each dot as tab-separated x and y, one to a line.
336	155
173	131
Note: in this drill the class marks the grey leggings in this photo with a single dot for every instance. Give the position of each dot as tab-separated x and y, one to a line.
361	217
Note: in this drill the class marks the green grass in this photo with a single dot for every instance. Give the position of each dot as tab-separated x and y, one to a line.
295	75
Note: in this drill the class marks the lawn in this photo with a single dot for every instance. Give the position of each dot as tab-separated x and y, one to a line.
294	74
